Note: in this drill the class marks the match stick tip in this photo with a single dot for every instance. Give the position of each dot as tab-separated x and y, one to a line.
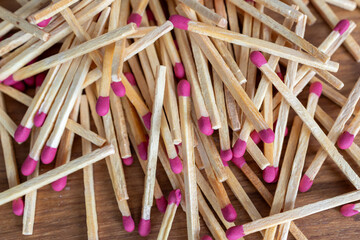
257	58
59	184
206	237
174	197
161	204
239	148
28	166
226	155
239	162
118	88
102	105
142	149
345	140
229	213
144	227
316	88
179	70
9	81
18	207
39	79
225	163
20	86
179	21
39	119
348	210
30	81
176	165
130	77
150	15
44	23
270	174
184	88
128	223
342	26
267	135
255	137
205	126
48	155
305	183
147	120
128	161
21	134
235	232
135	18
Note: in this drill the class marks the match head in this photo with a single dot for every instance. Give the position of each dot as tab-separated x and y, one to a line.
267	135
135	18
18	207
239	148
142	150
102	105
144	227
342	26
21	134
44	23
150	15
28	166
345	140
147	120
258	59
20	86
206	237
39	79
270	174
234	233
226	155
9	81
205	126
174	197
348	210
255	137
176	165
161	204
305	184
59	184
128	223
229	213
316	88
179	70
239	162
30	81
225	163
128	161
179	21
48	155
118	88
130	77
184	88
39	119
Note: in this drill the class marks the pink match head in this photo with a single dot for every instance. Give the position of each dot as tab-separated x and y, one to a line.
48	155
30	81
147	120
102	105
257	58
270	174
348	210
184	88
59	184
9	81
255	137
144	227
176	165
28	166
21	134
39	119
342	26
235	233
44	23
130	77
142	149
305	184
179	70
239	162
20	86
225	163
206	237
39	79
226	155
345	140
267	135
128	223
128	161
150	15
161	204
174	197
229	213
205	126
118	88
179	21
239	148
316	88
18	207
135	18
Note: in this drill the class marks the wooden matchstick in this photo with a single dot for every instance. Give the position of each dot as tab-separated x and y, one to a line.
7	123
344	4
311	19
346	139
233	25
14	41
245	51
282	8
138	10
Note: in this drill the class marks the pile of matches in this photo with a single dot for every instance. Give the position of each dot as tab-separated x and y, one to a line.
178	81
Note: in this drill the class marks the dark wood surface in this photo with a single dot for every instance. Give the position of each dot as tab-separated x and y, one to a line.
61	215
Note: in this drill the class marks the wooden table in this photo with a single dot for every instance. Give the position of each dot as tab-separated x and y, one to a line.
61	215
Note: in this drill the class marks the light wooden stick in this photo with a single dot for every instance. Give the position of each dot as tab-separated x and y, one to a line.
345	4
233	25
7	123
346	139
282	8
311	19
13	42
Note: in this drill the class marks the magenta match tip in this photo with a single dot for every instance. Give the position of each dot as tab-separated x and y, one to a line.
20	86
179	70
179	21
226	155
161	204
128	223
176	165
305	184
345	140
44	23
28	166
348	210
21	134
39	79
206	237
150	15
267	135
270	174
342	26
128	161
257	58
239	162
205	126
234	233
142	150
174	197
229	213
184	88
9	81
48	155
30	81
102	105
39	119
316	88
118	88
144	227
239	148
255	137
18	207
135	18
147	120
130	77
225	163
59	184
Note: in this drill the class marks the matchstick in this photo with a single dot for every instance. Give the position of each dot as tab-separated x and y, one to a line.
350	210
7	123
138	9
311	19
282	8
14	41
245	51
346	139
344	4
